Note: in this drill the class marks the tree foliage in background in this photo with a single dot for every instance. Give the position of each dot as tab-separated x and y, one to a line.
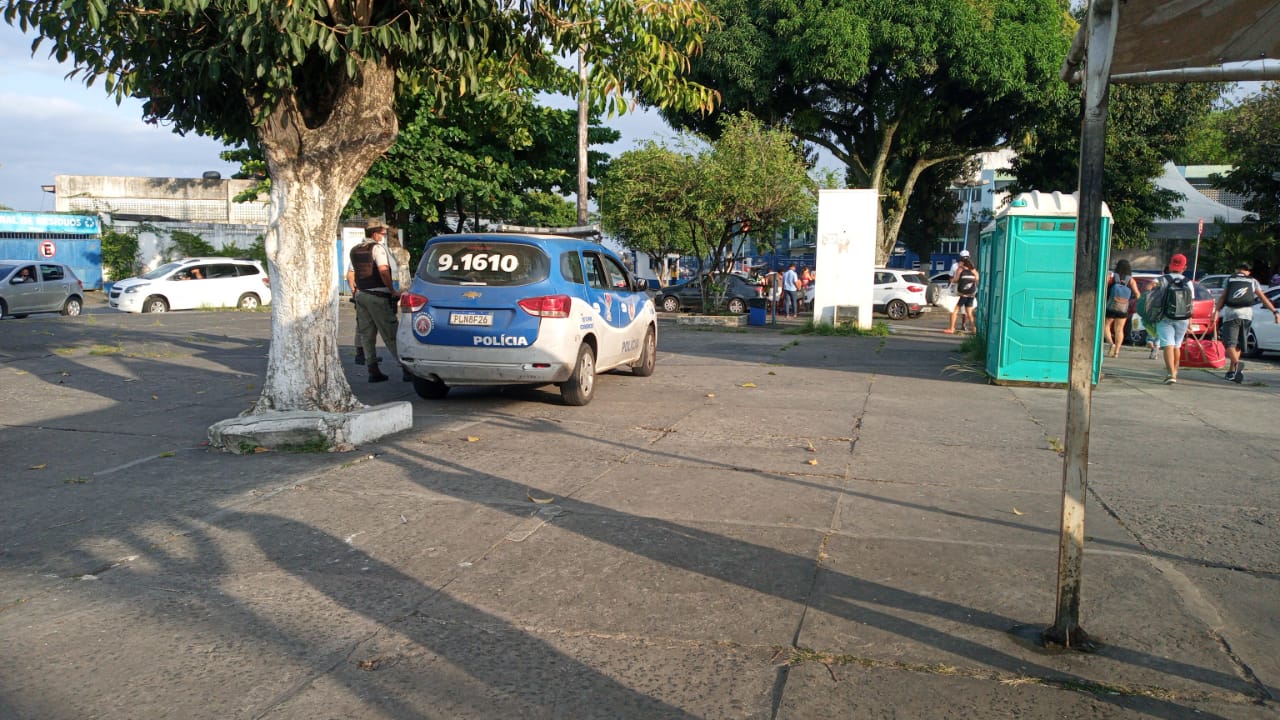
1146	126
495	157
892	88
1205	142
314	85
1252	137
120	254
752	178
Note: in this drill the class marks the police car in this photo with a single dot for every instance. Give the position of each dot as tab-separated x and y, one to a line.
507	309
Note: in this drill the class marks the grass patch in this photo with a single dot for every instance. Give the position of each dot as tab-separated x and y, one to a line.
81	480
64	351
106	350
715	328
877	329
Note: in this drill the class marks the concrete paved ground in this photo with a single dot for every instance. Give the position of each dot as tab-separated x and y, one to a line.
772	526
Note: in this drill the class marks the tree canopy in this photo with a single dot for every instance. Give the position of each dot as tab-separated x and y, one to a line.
1146	125
891	88
705	196
1252	137
313	83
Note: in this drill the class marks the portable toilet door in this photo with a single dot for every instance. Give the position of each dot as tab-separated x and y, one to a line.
1029	253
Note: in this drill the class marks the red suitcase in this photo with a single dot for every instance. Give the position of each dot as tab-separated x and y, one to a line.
1199	352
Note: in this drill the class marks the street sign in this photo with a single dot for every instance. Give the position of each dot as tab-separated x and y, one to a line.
48	249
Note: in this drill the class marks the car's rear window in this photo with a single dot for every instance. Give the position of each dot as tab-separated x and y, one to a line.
484	263
916	278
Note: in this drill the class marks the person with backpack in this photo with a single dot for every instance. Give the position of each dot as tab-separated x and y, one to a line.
1121	289
1235	309
966	282
1169	310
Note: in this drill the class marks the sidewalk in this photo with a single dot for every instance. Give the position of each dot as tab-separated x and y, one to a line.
772	526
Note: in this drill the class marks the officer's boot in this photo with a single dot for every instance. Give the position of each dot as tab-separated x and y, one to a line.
375	375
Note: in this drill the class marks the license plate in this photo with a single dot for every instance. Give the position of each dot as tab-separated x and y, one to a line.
484	319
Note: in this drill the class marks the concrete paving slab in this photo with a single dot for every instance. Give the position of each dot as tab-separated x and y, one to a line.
1241	599
997	517
1030	468
1234	537
934	610
434	667
890	693
685	493
646	577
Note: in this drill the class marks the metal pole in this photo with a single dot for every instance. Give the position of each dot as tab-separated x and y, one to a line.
1066	630
1195	264
968	205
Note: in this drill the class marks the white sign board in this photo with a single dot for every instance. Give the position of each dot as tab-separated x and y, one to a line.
846	255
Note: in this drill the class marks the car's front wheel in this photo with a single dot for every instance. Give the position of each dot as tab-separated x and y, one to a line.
429	389
155	304
737	305
72	306
671	303
4	309
249	301
896	310
648	356
581	385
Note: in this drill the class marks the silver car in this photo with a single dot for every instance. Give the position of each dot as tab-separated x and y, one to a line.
28	286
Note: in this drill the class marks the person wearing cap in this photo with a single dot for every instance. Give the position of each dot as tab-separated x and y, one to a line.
1235	309
1170	333
374	294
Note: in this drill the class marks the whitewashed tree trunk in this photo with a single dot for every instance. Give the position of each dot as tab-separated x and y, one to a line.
314	169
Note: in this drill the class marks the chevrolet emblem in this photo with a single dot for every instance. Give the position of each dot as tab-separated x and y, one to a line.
471	295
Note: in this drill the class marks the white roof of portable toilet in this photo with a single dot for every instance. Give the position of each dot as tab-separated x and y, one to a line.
1042	204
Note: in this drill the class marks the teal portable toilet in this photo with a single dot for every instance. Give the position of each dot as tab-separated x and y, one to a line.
1026	280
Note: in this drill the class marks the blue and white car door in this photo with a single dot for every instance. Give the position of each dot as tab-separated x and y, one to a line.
618	309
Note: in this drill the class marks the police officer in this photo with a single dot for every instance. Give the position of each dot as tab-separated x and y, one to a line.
373	292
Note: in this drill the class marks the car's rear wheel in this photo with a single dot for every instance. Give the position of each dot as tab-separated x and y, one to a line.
932	293
155	304
671	303
249	301
4	309
1251	345
648	356
737	305
72	306
429	389
896	310
581	385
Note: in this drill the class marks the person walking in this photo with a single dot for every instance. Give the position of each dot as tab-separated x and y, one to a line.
1235	309
966	283
790	284
1170	329
1121	290
373	292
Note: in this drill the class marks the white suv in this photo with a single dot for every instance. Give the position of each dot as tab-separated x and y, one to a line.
899	293
193	284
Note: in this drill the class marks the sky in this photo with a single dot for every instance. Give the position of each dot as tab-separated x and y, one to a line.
53	126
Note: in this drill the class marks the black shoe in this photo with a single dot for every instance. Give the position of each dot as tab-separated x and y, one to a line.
1239	376
1231	375
378	378
359	356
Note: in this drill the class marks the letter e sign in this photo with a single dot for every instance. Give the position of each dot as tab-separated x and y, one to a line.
48	249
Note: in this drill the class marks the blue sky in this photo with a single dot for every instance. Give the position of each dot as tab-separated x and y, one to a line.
52	126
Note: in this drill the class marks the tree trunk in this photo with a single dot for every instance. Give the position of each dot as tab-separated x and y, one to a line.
314	170
583	100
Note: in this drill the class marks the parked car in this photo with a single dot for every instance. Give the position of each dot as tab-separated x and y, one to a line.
28	286
1201	309
938	286
1213	283
688	295
516	308
899	293
193	284
1264	333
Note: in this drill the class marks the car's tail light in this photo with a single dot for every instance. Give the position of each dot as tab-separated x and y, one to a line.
80	283
412	302
550	306
915	288
266	281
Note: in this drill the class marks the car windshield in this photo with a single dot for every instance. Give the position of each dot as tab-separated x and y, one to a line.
477	262
161	271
